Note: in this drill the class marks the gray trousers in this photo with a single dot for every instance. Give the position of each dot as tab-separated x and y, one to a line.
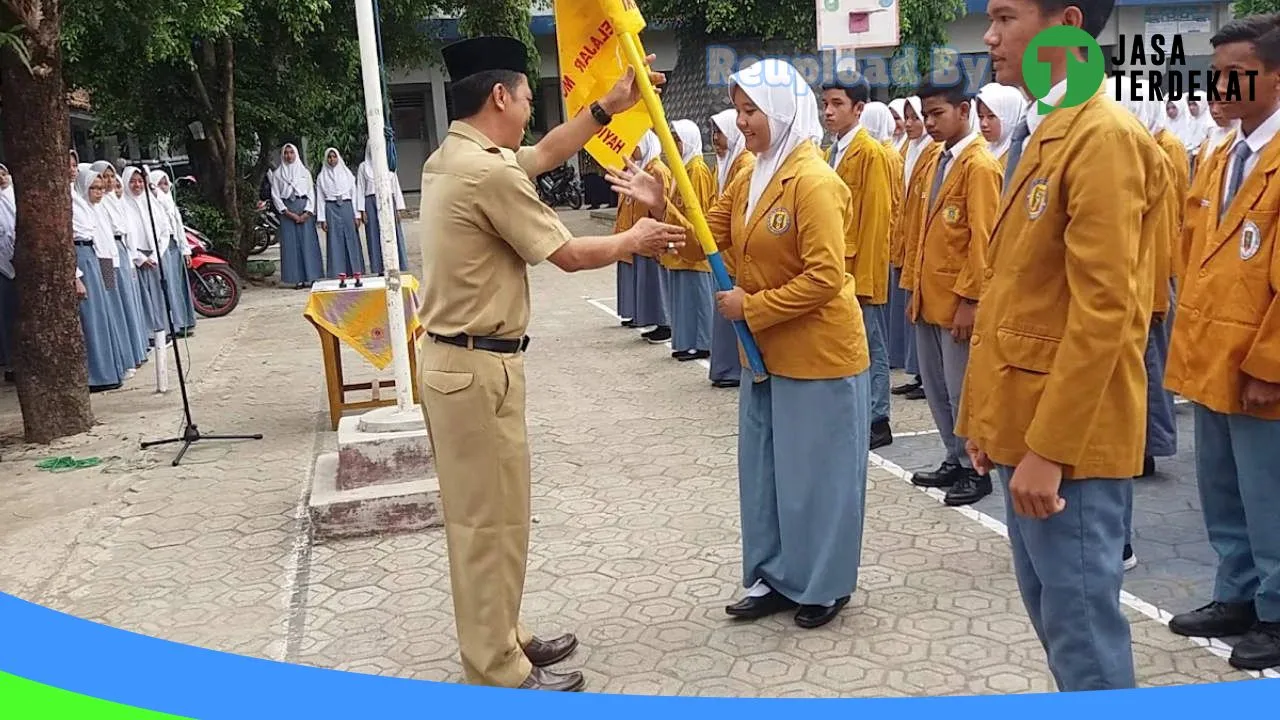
942	365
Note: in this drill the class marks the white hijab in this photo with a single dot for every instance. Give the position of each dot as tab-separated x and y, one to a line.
176	226
110	204
899	107
336	182
1007	104
650	148
8	192
135	207
89	221
915	148
727	122
291	179
782	94
878	121
690	139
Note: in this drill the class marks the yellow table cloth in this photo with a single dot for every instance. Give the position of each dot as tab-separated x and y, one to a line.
358	315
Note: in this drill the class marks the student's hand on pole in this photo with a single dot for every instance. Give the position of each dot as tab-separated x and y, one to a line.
637	184
731	304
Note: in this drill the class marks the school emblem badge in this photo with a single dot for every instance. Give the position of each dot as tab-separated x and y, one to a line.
779	221
1250	240
1037	198
951	214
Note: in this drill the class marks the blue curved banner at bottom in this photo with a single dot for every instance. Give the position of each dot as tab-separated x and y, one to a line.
83	657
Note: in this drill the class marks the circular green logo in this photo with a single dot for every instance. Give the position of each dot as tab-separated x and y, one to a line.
1083	78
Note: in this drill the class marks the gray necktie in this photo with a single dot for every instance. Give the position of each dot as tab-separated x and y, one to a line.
1242	153
938	178
835	152
1020	135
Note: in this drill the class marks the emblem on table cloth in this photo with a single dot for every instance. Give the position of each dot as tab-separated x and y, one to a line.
1250	240
779	221
951	214
1037	198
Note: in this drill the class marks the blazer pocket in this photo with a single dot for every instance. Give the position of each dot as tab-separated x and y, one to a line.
447	383
1031	353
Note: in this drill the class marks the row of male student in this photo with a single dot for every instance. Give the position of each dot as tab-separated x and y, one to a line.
1041	278
118	257
337	202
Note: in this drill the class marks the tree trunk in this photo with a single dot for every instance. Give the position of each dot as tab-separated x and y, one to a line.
52	376
230	156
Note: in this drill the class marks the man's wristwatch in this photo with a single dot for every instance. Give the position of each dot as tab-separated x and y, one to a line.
601	116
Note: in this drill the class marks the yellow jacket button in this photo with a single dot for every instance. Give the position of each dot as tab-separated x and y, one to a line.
989	273
975	340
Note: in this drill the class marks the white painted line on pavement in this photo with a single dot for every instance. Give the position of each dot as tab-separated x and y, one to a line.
1217	647
599	304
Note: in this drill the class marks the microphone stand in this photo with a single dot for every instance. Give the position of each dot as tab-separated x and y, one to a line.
190	432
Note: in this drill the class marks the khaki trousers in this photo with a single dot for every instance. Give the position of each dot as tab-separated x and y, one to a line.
474	406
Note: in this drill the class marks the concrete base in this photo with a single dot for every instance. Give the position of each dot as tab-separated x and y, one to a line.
395	452
372	510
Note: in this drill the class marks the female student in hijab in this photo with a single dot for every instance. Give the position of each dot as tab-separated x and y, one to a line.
127	291
8	291
1000	109
689	284
337	216
176	258
641	281
294	196
89	232
367	192
732	159
109	259
920	150
6	184
898	106
143	239
804	431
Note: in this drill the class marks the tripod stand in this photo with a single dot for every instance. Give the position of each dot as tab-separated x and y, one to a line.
190	432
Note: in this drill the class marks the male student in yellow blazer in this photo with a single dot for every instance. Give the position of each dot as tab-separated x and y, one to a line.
863	164
949	269
920	149
1055	396
1225	357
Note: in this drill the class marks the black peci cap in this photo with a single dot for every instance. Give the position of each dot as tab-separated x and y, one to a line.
480	54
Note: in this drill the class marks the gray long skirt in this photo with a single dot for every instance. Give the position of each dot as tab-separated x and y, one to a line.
181	305
95	322
300	260
373	238
626	291
149	287
126	356
690	307
726	363
902	337
342	240
651	281
131	298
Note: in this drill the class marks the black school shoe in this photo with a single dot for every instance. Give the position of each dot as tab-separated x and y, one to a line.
1259	649
906	387
815	616
968	489
755	608
944	477
658	335
881	434
1215	620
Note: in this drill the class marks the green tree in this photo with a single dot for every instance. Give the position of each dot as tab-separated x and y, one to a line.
1244	8
253	73
53	383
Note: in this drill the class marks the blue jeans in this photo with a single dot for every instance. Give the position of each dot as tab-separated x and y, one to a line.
877	327
1070	572
1237	457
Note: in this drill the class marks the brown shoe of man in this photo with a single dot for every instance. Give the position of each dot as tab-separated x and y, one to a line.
543	679
545	653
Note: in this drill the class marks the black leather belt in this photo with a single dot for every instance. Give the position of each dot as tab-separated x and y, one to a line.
489	344
83	243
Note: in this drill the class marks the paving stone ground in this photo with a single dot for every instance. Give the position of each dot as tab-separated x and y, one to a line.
635	546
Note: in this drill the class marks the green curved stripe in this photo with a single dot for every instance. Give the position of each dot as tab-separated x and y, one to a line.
22	699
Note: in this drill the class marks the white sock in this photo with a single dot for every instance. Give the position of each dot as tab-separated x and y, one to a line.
759	590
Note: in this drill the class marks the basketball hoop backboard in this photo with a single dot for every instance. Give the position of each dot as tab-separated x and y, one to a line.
856	24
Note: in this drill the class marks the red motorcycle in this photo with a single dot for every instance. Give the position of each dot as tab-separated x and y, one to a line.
215	287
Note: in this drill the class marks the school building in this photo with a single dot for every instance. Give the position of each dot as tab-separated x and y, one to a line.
421	108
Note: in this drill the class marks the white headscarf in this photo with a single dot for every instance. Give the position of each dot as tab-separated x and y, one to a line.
291	179
899	107
727	122
1198	126
110	204
176	225
878	121
915	148
135	207
650	148
337	182
8	230
690	139
782	94
8	192
90	221
1007	104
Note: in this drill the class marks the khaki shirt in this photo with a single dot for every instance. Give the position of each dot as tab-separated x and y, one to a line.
482	225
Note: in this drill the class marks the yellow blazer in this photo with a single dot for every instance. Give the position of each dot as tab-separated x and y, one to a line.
950	258
911	220
630	211
897	166
865	171
1228	323
1056	358
745	162
1181	165
691	256
789	258
1196	210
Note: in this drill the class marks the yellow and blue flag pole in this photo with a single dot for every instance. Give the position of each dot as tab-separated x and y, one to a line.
622	14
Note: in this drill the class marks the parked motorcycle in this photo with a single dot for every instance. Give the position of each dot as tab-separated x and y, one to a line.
561	186
266	228
215	287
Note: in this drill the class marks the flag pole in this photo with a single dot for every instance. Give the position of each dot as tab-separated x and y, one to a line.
693	208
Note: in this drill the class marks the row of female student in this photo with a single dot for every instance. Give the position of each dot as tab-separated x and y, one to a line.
118	260
337	201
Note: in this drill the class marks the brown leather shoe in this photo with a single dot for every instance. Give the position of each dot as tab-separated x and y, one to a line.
544	653
540	679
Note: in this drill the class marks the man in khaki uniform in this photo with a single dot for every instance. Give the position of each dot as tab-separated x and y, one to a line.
482	224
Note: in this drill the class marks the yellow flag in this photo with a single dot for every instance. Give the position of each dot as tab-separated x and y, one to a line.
591	61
